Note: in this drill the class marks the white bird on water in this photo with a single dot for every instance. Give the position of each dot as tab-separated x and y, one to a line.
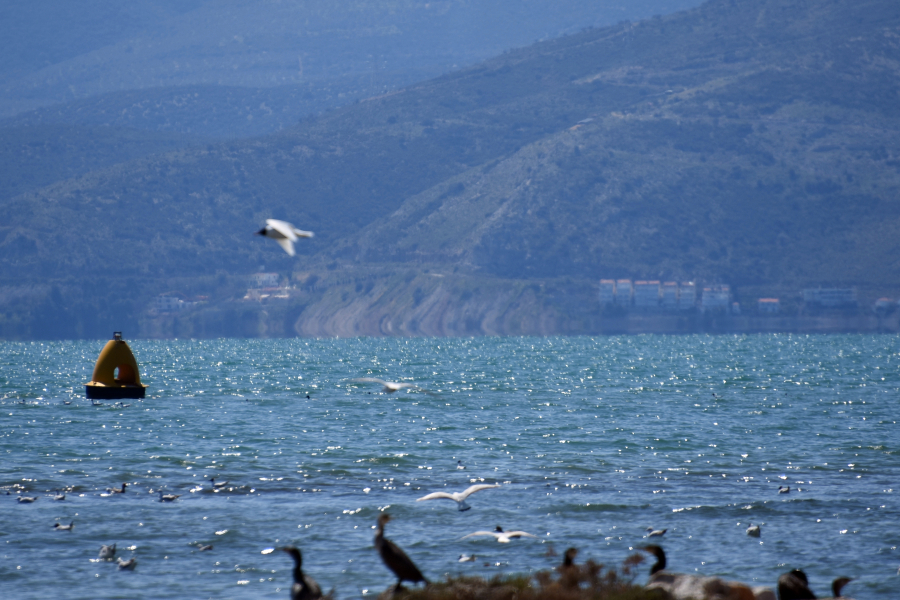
459	497
168	497
501	536
656	532
26	499
68	527
127	565
217	486
389	386
753	530
284	233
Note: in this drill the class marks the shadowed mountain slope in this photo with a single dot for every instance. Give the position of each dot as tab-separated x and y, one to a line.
753	143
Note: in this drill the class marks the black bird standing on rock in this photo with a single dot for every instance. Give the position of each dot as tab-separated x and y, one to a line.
660	555
394	558
838	584
794	586
305	587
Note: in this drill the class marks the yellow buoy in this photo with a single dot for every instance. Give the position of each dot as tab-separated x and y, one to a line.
116	372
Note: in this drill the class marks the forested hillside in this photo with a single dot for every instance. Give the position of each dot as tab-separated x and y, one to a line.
753	143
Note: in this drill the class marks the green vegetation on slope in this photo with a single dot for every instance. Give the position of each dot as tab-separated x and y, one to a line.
752	143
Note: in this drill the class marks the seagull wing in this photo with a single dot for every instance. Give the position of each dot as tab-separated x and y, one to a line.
437	496
283	227
300	233
516	534
475	488
492	533
287	245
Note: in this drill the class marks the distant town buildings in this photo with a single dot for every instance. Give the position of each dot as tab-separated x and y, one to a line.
648	295
830	297
715	298
671	296
266	286
768	306
264	280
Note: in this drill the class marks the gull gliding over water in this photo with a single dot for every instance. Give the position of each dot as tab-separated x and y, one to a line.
501	536
389	386
284	233
459	497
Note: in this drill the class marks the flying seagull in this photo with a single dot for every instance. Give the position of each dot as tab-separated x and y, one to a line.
501	536
284	233
389	386
459	497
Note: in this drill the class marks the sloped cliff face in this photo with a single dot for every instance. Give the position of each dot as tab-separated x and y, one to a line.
434	305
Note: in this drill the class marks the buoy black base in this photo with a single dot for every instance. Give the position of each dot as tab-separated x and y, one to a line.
103	392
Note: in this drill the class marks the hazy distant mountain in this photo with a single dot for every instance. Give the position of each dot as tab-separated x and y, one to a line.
326	52
752	143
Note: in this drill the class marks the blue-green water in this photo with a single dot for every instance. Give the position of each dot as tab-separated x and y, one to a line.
592	439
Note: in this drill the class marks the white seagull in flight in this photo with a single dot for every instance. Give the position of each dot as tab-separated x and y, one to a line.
389	386
502	536
284	233
459	497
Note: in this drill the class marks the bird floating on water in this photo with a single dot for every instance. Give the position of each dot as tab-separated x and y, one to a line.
460	466
501	536
784	490
68	527
395	558
656	532
217	486
168	497
284	233
305	587
118	490
202	548
459	497
389	386
107	552
753	530
26	499
127	565
466	558
59	496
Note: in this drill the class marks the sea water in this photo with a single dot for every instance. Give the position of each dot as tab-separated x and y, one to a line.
593	440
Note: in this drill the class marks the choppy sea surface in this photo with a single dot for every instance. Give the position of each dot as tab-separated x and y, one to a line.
593	440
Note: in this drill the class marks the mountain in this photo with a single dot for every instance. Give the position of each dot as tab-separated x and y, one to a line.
57	52
749	143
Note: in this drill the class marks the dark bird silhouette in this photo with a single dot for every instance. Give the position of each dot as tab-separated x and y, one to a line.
838	584
568	571
394	558
660	555
794	586
120	490
305	587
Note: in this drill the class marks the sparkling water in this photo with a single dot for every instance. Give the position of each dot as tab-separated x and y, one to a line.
592	439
